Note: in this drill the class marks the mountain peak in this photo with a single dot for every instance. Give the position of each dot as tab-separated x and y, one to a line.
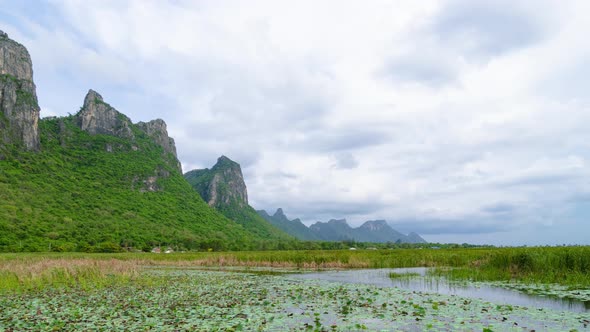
280	216
375	225
225	162
92	96
19	107
222	185
223	158
279	212
293	227
98	117
338	222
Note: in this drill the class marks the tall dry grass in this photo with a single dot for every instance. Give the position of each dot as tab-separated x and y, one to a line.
38	273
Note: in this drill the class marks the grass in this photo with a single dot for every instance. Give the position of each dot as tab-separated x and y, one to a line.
395	275
33	274
563	265
567	266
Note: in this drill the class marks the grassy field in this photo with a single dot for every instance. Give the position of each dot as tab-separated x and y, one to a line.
569	266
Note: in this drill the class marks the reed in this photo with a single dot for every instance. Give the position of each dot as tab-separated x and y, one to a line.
86	273
561	265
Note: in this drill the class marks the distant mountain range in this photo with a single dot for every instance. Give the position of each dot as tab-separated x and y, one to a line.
339	230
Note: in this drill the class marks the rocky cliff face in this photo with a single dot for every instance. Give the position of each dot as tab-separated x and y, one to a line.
156	129
158	132
19	109
222	185
98	117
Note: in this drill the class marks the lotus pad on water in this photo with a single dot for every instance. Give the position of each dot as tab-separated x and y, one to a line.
178	300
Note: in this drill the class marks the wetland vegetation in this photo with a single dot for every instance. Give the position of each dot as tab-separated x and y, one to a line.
566	266
247	290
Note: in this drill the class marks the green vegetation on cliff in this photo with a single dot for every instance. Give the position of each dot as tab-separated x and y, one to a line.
85	192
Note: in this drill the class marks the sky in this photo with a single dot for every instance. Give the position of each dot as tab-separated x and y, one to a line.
464	121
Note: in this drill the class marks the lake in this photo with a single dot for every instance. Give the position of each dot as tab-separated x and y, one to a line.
424	283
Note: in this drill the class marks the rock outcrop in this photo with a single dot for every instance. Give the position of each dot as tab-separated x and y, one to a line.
223	188
156	129
19	109
98	117
158	132
222	185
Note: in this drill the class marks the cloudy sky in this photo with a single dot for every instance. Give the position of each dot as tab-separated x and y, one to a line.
466	121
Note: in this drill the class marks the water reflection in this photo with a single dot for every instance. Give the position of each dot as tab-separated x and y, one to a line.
423	283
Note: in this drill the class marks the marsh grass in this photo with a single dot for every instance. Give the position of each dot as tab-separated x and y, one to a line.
408	275
84	273
568	266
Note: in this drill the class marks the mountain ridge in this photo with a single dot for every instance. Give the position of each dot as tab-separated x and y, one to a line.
339	230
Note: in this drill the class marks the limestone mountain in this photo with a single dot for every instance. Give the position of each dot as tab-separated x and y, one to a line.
19	110
98	117
293	227
378	231
339	230
222	185
333	230
415	238
370	231
223	188
95	181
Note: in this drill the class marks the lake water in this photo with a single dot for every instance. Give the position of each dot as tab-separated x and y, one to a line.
423	283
